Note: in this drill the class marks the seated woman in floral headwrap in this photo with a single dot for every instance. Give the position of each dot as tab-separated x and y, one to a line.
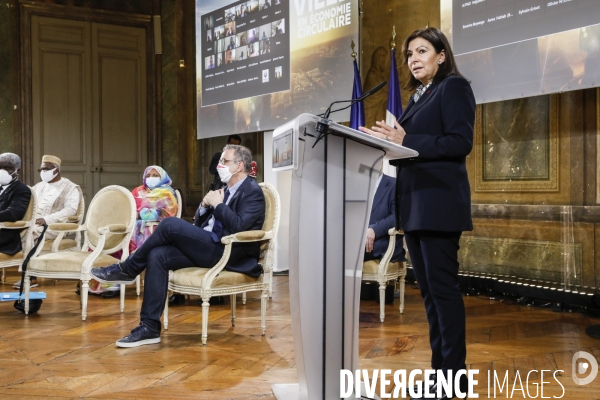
155	200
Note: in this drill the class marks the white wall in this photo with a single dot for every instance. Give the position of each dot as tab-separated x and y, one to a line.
282	181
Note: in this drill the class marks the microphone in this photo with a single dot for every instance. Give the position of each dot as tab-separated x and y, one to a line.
352	102
323	124
372	91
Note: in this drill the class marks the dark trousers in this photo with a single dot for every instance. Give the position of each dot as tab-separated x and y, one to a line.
175	244
434	257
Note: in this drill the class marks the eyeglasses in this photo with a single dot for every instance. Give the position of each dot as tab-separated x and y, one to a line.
224	161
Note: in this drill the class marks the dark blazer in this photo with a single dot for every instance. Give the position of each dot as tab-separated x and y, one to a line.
245	212
433	191
383	217
14	201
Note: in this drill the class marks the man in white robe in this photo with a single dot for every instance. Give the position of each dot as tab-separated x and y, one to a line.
57	199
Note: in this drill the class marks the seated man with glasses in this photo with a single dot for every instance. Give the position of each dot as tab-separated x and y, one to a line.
14	200
57	199
176	244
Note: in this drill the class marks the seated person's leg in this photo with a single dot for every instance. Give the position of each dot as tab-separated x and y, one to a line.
160	261
170	232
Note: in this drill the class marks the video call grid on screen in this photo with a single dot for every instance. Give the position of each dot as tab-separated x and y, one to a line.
484	24
245	51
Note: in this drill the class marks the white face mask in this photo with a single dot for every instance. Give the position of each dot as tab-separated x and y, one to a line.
5	177
47	176
152	182
224	173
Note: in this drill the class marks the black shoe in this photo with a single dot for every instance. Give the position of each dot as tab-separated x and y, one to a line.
112	274
110	294
464	388
421	388
176	299
139	336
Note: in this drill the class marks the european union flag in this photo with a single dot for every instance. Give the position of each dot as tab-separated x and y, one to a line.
357	112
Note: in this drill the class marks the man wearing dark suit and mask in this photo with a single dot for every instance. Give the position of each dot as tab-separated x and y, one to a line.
14	200
176	244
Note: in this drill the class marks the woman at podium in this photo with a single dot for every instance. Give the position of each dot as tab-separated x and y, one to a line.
433	196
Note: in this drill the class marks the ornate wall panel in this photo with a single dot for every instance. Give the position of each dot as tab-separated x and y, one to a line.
516	149
530	249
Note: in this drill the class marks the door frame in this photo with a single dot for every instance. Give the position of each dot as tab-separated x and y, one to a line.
153	74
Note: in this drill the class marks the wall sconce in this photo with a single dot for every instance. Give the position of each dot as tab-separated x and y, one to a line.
181	63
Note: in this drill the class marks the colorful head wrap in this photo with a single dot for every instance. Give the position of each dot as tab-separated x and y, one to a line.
164	177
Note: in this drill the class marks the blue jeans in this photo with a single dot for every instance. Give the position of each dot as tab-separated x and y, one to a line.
175	244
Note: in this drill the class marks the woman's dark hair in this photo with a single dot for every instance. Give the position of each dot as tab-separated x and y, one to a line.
439	42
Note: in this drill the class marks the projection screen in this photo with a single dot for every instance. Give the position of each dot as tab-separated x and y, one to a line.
519	48
260	63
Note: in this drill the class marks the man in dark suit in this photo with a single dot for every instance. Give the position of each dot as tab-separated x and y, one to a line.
14	200
382	219
176	244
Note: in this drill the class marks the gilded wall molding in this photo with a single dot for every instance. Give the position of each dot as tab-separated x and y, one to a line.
547	183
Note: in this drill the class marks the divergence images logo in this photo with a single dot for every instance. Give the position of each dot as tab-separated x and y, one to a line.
580	368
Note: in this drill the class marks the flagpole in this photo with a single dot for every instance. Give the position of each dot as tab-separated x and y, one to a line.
394	105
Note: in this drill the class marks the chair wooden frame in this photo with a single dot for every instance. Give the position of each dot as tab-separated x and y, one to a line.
384	275
103	232
154	224
28	222
207	290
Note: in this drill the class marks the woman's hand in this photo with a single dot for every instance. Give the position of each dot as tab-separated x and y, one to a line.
385	132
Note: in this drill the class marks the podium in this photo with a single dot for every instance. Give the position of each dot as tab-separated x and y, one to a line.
333	184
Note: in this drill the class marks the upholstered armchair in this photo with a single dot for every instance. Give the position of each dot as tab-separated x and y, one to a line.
28	225
107	229
382	271
216	281
153	226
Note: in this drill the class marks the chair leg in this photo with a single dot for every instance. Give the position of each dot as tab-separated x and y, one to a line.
27	288
122	295
84	298
137	285
263	310
244	298
205	306
3	275
166	313
233	296
382	301
271	284
402	284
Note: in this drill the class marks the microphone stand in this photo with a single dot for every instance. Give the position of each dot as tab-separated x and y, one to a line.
323	124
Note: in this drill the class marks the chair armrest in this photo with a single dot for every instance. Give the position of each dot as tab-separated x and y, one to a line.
65	227
113	228
13	225
74	219
393	232
247	236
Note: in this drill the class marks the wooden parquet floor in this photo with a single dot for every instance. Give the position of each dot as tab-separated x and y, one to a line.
54	354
